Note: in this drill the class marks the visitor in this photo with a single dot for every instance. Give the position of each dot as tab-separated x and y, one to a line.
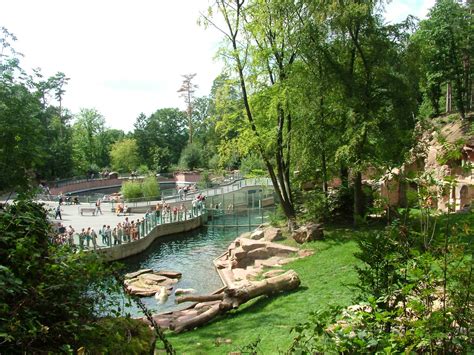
88	237
97	207
58	212
82	237
175	213
108	235
126	229
120	234
115	236
194	207
93	235
158	210
70	233
102	234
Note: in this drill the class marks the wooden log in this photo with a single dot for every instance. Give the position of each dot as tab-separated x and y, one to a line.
199	298
234	297
196	321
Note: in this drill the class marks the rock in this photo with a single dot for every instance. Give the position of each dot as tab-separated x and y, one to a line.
152	278
249	244
169	274
239	253
132	275
256	235
273	234
260	253
308	233
246	235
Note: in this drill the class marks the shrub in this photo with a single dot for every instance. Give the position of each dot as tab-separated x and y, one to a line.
131	189
49	295
150	187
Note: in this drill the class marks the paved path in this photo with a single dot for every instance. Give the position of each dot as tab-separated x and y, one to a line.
71	216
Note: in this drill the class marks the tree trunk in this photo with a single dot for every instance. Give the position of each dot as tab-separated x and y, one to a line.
449	98
358	197
233	297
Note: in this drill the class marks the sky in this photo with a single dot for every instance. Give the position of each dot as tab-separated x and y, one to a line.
127	57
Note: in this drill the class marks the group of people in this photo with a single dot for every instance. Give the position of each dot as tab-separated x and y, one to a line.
123	232
127	230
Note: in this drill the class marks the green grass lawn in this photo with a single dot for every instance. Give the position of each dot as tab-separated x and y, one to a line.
324	281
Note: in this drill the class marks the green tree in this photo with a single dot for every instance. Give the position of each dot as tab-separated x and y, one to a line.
191	157
21	147
161	137
446	39
258	34
366	61
124	155
87	149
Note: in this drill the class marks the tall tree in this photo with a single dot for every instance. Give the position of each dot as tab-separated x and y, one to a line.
21	148
124	155
187	90
161	137
258	34
446	38
89	125
364	57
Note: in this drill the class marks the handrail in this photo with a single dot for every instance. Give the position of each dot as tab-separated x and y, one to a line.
213	191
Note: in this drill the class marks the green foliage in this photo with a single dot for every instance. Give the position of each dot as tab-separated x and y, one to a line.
124	155
88	127
119	336
451	153
191	157
445	42
131	189
49	295
150	187
161	137
205	180
252	166
418	294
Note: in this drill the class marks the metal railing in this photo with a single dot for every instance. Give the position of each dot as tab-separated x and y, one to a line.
136	231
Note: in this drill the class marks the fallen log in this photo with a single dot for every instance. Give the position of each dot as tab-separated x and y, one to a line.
233	297
199	298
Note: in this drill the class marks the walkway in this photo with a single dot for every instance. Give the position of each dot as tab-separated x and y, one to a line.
71	213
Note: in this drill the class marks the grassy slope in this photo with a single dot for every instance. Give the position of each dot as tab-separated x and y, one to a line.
324	278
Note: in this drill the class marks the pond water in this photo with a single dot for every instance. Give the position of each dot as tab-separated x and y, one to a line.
191	254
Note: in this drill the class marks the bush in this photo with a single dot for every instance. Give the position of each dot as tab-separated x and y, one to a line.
417	292
49	295
150	187
131	189
191	157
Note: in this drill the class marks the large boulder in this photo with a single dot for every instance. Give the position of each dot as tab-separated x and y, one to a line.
308	233
148	282
273	234
257	234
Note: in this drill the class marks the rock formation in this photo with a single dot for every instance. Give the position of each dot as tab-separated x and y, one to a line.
147	282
